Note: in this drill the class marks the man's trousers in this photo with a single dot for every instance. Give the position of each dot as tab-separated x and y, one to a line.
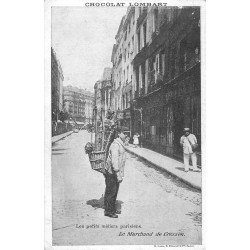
186	161
111	191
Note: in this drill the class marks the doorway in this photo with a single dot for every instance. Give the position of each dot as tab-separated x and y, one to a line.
178	123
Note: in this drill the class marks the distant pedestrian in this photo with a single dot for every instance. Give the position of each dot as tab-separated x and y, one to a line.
136	140
189	143
114	173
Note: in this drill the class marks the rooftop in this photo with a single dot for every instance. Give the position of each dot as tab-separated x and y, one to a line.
78	90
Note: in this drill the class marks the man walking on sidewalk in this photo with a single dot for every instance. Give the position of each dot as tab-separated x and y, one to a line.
189	143
114	173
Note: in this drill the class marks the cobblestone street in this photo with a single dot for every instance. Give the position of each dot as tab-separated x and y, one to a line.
151	201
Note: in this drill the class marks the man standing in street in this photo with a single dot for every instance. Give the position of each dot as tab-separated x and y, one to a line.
114	173
189	143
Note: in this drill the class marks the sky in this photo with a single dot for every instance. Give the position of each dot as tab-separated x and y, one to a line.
83	38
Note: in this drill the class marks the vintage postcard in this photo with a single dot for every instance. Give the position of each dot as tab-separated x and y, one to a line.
124	124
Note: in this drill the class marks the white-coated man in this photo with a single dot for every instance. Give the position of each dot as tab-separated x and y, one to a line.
189	143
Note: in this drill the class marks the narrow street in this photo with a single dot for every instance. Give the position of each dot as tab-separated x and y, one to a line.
151	201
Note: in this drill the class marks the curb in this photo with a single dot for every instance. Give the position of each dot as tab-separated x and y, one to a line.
169	172
69	133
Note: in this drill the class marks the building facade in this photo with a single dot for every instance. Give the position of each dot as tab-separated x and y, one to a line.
89	106
56	87
156	75
122	59
167	77
106	76
78	103
103	104
103	95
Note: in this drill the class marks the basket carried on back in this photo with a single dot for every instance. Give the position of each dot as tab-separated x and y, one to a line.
98	151
97	161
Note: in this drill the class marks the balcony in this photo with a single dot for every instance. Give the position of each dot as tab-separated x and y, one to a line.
141	17
155	81
155	34
155	77
193	71
141	56
136	94
192	61
153	87
142	91
127	87
158	78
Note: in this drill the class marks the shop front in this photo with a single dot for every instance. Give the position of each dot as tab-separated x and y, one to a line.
167	111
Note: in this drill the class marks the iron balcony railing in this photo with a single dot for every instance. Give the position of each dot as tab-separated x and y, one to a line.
141	17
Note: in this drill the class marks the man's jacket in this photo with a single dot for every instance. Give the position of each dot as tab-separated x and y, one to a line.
185	142
116	159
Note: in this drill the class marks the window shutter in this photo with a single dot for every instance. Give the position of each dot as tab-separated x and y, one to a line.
140	77
163	64
157	63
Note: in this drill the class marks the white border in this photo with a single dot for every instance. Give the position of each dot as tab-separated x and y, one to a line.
47	99
203	114
47	129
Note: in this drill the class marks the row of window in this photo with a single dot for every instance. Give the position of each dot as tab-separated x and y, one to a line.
75	107
177	61
129	27
142	36
129	50
126	98
126	76
125	53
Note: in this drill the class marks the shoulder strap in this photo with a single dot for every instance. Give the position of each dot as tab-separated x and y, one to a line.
189	142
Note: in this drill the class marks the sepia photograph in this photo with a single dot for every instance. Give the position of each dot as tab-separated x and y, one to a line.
125	124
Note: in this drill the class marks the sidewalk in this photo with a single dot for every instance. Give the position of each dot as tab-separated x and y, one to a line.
169	165
61	136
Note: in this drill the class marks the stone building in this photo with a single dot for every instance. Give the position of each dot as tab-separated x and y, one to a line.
103	103
167	76
78	103
156	75
89	106
122	58
103	96
117	60
56	87
106	74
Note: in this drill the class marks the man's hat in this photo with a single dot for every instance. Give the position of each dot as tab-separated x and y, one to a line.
120	129
186	129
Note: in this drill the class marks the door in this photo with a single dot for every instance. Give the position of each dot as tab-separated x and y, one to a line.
178	123
170	134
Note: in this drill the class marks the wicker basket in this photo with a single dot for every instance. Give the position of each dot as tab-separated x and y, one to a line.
97	161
